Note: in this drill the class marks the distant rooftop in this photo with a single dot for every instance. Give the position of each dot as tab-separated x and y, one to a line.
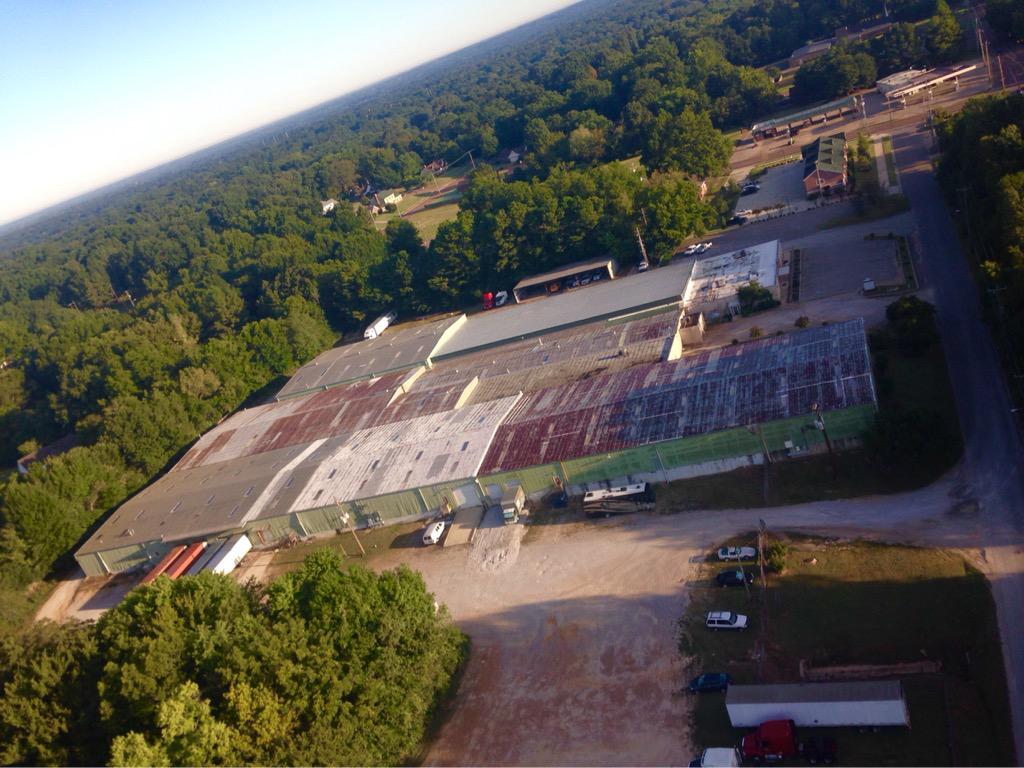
398	348
606	299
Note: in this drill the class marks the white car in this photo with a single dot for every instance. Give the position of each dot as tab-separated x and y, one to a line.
691	250
737	553
432	534
705	246
725	620
745	212
500	298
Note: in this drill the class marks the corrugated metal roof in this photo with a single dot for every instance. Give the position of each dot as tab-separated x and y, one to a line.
607	299
429	450
398	348
809	693
567	271
745	384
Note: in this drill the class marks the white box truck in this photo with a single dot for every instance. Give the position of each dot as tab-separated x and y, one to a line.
378	326
866	703
230	555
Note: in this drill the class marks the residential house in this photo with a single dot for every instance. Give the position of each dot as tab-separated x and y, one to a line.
56	448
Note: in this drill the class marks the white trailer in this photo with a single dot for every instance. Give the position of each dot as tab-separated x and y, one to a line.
230	555
204	559
872	702
378	326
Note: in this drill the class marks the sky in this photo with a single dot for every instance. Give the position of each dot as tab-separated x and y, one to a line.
94	91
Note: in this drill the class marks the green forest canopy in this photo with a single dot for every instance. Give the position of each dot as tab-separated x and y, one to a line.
326	666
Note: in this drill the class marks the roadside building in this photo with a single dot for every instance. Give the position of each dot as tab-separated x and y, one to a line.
790	124
825	165
714	282
810	52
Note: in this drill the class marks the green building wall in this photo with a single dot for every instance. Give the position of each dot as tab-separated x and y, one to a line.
688	451
660	458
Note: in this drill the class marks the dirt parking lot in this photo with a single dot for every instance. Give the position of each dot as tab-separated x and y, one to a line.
574	658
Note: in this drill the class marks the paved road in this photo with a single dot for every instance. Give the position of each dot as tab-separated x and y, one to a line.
994	458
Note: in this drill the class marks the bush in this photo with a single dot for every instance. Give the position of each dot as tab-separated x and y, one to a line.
913	323
754	297
802	322
775	556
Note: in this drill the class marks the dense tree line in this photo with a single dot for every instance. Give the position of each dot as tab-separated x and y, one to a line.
851	65
140	320
982	172
326	666
765	32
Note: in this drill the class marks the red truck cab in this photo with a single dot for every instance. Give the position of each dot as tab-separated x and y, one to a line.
488	300
772	741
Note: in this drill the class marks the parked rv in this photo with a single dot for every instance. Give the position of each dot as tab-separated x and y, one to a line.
432	534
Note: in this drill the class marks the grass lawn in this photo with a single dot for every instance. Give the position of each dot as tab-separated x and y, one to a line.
890	161
858	602
883	208
18	606
374	542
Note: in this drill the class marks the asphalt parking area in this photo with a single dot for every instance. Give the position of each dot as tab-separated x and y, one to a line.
781	187
841	266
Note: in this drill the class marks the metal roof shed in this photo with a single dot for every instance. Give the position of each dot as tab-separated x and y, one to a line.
873	702
538	284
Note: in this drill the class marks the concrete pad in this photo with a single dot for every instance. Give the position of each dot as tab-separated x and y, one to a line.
467	520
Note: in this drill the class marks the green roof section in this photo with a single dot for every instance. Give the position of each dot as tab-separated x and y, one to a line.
827	153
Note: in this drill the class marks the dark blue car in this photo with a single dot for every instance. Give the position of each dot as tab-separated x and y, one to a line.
710	681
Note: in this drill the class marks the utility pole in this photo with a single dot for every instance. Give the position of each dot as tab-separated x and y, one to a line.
130	299
470	153
643	249
1002	76
346	519
819	422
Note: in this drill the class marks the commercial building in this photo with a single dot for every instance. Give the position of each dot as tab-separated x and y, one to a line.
825	165
714	282
591	387
793	122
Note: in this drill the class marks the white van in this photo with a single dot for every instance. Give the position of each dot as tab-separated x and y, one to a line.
432	534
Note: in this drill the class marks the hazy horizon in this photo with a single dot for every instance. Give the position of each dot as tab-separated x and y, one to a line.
94	94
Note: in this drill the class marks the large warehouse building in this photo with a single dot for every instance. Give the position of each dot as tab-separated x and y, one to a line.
447	413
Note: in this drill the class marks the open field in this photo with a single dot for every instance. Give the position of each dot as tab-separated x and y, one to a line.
432	204
855	602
